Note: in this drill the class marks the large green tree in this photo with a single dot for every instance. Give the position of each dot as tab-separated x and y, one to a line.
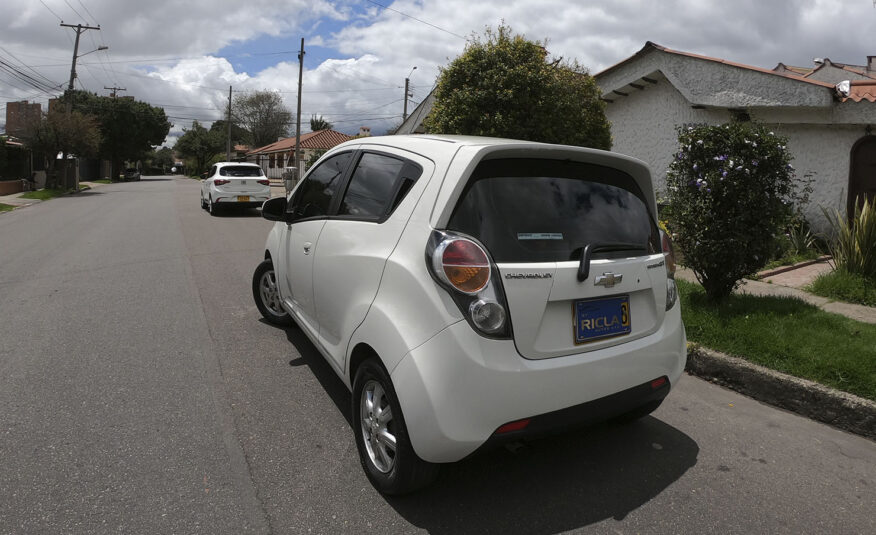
199	145
507	86
263	114
129	128
59	132
239	134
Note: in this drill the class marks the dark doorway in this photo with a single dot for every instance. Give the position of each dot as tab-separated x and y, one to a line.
862	172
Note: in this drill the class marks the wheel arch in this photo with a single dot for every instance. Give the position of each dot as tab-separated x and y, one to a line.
360	353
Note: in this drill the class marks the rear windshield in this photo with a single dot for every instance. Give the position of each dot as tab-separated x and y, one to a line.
240	170
530	210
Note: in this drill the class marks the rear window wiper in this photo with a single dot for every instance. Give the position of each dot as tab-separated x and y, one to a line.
602	247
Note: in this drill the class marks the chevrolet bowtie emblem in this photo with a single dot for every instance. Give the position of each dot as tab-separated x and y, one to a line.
608	280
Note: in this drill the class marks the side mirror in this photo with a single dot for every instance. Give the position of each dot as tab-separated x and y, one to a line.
274	209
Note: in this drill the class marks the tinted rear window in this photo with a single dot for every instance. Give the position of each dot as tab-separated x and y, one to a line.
240	170
529	210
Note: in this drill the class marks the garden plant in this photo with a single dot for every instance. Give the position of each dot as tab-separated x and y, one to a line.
730	188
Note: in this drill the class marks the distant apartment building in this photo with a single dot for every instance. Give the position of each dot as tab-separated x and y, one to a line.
19	114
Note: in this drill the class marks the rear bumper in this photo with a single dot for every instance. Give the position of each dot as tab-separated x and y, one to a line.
458	388
255	201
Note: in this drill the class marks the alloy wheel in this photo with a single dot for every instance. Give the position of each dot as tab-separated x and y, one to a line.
377	426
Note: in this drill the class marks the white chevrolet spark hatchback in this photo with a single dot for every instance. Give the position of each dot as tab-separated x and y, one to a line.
471	291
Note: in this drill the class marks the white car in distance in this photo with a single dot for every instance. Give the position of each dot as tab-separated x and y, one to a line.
234	184
473	291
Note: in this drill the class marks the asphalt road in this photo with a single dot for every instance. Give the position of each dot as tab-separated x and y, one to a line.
141	393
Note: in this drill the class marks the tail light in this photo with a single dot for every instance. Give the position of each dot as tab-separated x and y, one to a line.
221	181
463	267
264	182
669	258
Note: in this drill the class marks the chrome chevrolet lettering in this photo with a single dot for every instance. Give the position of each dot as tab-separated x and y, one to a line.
528	276
656	264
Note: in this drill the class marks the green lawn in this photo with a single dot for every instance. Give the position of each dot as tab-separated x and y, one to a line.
43	194
846	287
6	207
786	335
102	181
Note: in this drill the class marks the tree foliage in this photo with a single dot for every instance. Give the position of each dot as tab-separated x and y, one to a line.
730	190
58	132
199	145
129	128
239	135
319	123
507	86
263	115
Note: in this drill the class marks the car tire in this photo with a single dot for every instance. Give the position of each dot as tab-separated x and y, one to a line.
267	295
385	449
212	207
203	203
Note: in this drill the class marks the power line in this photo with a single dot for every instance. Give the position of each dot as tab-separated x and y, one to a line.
50	10
89	12
418	20
74	11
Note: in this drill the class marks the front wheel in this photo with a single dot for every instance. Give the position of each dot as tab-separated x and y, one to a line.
385	450
267	295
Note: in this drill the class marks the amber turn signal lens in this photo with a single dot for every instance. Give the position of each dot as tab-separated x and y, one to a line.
467	278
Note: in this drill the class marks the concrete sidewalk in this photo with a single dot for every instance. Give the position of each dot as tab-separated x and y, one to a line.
18	201
789	283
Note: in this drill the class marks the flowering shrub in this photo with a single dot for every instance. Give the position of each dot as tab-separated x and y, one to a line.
729	188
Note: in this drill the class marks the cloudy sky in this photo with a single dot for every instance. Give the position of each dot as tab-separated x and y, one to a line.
183	55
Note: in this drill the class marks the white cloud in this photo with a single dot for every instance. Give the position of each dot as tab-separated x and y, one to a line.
367	51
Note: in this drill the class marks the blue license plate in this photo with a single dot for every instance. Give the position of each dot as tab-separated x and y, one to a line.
596	319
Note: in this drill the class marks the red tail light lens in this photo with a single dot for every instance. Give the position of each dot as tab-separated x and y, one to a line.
668	253
465	266
221	181
264	182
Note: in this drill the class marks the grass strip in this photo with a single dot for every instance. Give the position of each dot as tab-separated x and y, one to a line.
43	194
6	207
102	181
786	335
843	286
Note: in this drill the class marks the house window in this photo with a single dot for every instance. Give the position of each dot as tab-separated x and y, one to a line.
271	160
280	160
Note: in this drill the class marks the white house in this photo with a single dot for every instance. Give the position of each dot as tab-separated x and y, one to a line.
825	112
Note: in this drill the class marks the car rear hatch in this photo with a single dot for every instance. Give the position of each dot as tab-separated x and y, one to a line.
577	249
241	179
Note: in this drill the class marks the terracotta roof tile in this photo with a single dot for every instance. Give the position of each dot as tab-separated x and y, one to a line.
862	90
321	139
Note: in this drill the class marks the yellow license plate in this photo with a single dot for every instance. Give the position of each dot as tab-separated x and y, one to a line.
243	198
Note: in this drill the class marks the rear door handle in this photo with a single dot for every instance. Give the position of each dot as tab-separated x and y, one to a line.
307	246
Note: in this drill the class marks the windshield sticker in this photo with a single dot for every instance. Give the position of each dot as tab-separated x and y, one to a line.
539	235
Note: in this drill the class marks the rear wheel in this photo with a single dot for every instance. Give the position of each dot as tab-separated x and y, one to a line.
385	450
212	207
267	295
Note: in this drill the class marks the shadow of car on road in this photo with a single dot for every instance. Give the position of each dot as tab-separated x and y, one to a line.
545	486
237	213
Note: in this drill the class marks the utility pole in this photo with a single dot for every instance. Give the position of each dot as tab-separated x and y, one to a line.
114	90
298	163
228	141
405	114
408	93
79	29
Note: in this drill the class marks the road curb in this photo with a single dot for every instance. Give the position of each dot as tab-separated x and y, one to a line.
806	398
784	269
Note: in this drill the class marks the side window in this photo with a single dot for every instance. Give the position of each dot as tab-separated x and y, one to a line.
377	185
314	196
212	171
